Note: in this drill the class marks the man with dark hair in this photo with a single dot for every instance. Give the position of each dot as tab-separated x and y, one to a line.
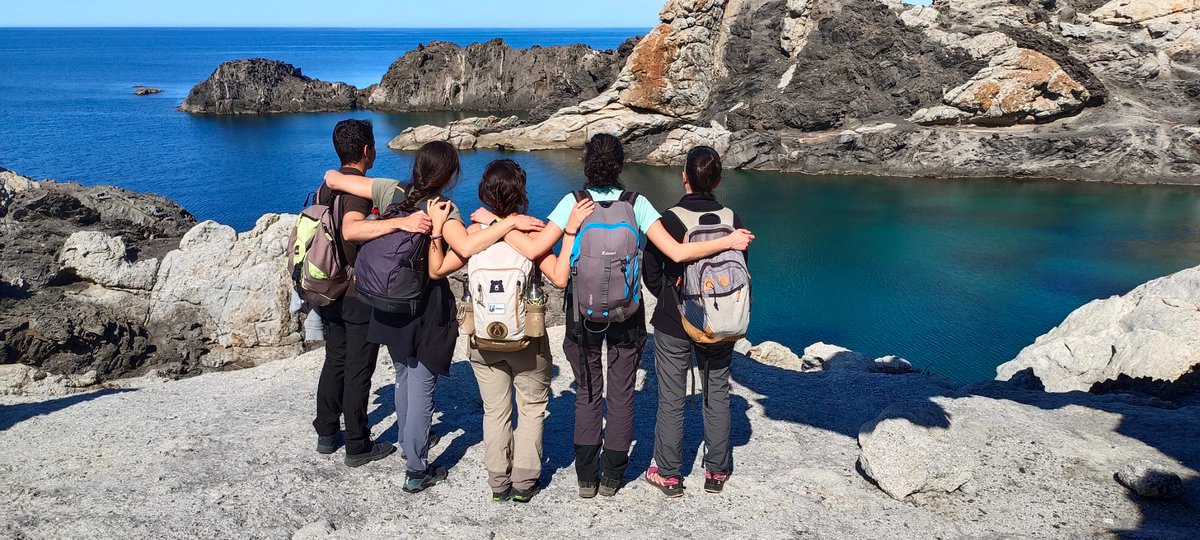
345	384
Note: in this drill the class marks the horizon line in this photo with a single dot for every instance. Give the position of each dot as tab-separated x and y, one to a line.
326	27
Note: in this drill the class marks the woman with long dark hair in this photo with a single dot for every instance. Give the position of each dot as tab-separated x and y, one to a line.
602	448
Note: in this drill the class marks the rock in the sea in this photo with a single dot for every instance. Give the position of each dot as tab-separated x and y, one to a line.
103	259
1150	334
232	285
892	365
461	133
1150	480
495	77
260	86
146	91
1020	85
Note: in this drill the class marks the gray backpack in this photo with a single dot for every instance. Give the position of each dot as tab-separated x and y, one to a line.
318	267
714	293
606	262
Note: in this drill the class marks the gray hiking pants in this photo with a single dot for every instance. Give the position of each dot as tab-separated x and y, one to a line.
414	410
672	362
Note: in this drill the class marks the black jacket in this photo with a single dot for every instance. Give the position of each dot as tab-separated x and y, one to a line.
661	273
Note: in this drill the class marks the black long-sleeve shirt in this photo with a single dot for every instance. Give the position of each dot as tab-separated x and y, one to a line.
661	273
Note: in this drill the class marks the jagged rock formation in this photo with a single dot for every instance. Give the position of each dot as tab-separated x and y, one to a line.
1149	336
101	283
495	77
260	86
439	76
1072	89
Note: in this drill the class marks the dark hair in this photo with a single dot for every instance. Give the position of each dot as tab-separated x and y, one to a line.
703	169
503	188
349	139
603	161
435	169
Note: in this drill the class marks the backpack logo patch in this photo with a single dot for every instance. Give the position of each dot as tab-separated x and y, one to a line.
497	287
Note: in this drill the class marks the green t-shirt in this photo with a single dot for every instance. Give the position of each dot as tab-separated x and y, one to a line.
386	192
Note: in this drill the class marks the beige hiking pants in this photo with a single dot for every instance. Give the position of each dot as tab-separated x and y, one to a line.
513	458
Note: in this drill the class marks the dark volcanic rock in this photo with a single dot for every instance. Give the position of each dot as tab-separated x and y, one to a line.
259	86
495	77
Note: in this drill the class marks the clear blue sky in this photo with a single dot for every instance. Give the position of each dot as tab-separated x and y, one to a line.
338	13
363	13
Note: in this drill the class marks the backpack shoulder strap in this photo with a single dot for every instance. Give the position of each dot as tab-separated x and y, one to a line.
629	197
691	219
582	195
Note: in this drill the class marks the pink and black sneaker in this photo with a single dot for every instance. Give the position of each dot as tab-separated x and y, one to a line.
671	486
715	482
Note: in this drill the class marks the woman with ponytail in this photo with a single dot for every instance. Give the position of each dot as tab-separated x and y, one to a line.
422	345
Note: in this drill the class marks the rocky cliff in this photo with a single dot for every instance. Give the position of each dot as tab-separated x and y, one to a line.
1073	89
495	77
439	76
259	86
100	283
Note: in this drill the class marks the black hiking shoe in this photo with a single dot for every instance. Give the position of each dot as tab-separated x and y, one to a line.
671	486
715	482
377	452
328	444
434	439
420	482
502	496
588	490
525	495
609	486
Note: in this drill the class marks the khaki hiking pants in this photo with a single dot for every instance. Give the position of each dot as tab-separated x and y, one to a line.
513	458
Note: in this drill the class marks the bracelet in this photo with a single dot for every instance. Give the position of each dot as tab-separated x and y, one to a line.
438	237
569	233
494	221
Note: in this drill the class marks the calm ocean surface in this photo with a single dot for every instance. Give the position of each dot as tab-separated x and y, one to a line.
957	276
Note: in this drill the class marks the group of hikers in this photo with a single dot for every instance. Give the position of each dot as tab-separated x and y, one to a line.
373	257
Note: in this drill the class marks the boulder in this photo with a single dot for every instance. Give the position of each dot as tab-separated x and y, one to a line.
834	358
1151	480
775	354
1019	86
261	86
493	76
571	127
234	286
12	183
1150	334
893	365
462	134
673	151
910	449
103	259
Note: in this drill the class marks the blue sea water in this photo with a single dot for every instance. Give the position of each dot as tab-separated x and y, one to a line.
956	275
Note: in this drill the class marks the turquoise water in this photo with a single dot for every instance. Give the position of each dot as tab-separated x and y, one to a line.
956	275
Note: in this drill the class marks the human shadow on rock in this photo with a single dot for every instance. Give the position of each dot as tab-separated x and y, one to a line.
11	415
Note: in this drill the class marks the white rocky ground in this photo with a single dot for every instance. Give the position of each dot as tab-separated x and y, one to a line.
231	455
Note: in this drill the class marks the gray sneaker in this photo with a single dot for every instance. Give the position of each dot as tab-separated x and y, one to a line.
377	452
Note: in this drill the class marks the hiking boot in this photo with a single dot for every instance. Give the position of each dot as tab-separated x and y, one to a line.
502	496
609	486
328	444
418	483
671	486
434	439
377	452
525	495
588	490
715	482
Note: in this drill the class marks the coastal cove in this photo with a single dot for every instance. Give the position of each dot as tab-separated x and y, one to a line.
955	275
